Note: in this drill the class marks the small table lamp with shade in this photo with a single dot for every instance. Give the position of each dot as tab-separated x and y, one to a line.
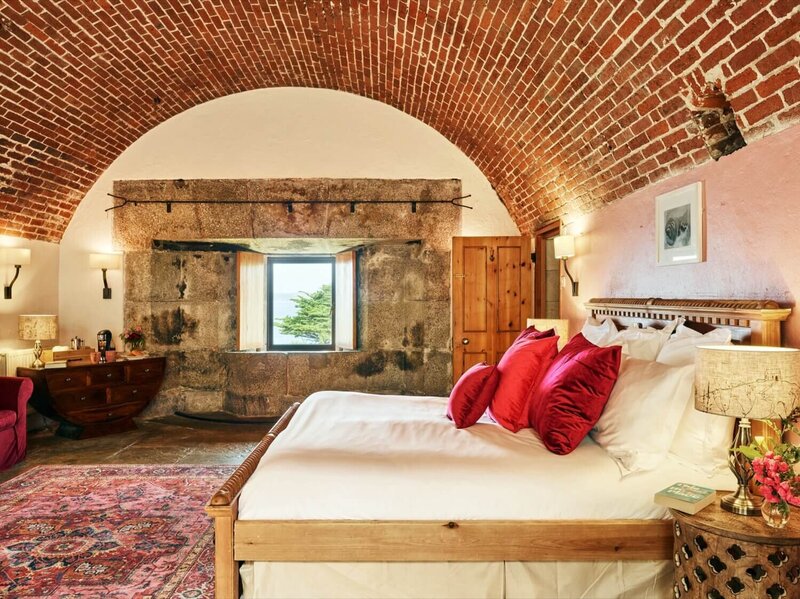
35	327
746	382
561	326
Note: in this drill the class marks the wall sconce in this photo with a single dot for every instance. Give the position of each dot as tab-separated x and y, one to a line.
564	247
18	257
105	262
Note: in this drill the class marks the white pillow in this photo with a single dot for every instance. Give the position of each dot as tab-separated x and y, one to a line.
702	440
681	349
644	410
599	333
642	344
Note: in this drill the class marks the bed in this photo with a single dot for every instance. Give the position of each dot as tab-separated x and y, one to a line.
299	524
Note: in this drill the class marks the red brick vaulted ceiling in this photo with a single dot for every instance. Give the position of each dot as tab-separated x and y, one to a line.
564	105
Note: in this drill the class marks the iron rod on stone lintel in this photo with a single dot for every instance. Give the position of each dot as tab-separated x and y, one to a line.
288	203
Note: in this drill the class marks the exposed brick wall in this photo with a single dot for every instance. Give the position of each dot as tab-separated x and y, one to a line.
563	105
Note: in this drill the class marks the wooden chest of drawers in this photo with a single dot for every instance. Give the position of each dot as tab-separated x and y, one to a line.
90	400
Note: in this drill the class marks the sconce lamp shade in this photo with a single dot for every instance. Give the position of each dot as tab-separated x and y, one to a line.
747	381
564	246
34	327
15	256
107	261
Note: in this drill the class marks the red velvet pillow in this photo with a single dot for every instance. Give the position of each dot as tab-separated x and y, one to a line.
573	392
520	369
532	333
471	395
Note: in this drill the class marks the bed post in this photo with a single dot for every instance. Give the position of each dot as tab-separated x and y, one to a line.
226	576
224	509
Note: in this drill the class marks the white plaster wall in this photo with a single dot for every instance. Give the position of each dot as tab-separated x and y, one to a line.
278	132
34	292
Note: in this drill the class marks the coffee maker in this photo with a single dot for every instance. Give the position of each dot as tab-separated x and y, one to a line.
104	341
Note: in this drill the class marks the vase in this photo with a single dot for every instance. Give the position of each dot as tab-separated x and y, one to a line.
133	348
775	515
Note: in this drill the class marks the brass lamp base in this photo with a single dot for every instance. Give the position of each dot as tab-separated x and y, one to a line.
37	355
741	502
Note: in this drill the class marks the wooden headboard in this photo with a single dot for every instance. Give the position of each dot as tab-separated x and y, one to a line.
754	322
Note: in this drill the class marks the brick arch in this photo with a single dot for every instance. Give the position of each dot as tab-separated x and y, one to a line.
563	105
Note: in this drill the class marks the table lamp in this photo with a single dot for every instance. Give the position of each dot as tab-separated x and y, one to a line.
35	327
561	326
746	382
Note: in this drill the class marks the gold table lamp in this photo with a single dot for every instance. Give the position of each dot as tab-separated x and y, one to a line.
746	382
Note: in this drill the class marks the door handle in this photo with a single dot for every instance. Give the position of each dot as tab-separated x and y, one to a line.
465	341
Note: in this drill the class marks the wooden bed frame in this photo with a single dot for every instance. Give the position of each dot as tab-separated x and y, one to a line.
751	321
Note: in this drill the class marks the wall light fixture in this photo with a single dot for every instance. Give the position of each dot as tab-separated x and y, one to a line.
105	262
16	257
564	247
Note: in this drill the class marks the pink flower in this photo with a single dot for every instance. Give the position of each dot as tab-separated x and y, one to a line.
769	494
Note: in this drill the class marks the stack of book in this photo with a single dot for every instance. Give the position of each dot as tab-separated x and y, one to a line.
56	364
685	497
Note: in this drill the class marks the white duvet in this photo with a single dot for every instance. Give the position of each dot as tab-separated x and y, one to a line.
357	456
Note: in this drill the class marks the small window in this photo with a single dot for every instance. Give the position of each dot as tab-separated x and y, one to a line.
300	303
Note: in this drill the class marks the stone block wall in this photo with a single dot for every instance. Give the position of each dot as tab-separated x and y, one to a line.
186	300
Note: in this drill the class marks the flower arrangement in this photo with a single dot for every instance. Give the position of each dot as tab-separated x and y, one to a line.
773	464
133	337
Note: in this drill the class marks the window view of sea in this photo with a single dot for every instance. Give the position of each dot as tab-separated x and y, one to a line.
288	282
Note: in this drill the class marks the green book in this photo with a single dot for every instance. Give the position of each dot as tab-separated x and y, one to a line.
685	497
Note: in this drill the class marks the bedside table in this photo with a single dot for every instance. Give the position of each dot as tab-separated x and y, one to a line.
722	555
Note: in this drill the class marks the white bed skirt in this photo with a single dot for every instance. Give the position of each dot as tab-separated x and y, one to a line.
457	580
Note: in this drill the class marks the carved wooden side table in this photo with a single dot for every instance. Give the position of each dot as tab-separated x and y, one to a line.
722	555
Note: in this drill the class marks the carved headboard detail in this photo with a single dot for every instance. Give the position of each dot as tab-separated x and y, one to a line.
755	322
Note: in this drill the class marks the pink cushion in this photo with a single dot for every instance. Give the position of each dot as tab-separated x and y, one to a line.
8	418
532	333
520	369
471	395
572	393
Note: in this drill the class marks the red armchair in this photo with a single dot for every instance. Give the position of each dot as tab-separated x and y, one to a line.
14	395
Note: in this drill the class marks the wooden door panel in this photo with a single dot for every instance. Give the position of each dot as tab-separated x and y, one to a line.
475	313
491	297
508	290
471	358
472	338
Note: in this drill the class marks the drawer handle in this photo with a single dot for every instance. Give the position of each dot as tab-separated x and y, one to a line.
68	379
83	398
146	370
134	392
109	375
111	413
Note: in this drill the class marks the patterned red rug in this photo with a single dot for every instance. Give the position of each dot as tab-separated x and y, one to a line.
120	532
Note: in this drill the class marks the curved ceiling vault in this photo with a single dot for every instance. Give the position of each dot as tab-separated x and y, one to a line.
564	105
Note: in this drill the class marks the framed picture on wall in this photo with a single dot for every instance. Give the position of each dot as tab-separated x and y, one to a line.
680	226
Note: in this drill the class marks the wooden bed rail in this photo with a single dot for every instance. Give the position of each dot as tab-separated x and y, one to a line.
224	508
233	486
462	541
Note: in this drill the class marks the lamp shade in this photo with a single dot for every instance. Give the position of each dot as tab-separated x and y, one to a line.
747	381
15	256
564	246
561	326
35	327
107	261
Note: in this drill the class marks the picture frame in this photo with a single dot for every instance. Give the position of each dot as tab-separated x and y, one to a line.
680	226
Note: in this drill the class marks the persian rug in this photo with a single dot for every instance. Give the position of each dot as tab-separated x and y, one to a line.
118	532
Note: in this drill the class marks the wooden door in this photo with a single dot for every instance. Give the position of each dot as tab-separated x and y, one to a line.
491	297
